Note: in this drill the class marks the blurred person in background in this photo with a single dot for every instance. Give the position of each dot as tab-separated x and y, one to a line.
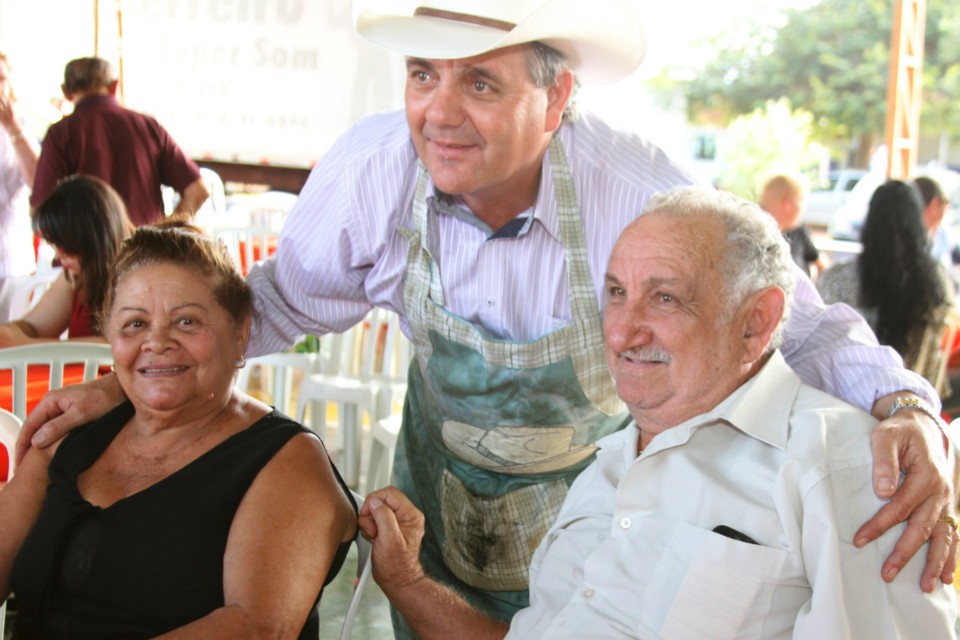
782	197
130	151
18	165
85	222
943	246
894	283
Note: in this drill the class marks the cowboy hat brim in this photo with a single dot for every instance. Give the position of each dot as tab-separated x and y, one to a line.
602	40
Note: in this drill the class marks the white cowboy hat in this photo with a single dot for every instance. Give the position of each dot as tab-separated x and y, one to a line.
603	40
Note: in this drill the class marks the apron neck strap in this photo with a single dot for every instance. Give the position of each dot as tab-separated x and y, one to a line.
582	295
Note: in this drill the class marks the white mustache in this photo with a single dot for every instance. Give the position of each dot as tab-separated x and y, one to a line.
647	354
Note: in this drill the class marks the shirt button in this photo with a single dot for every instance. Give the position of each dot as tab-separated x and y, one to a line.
489	303
588	593
625	523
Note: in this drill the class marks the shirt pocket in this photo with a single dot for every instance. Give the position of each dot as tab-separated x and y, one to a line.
708	586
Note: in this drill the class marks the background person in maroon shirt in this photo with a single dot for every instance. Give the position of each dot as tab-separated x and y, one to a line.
128	150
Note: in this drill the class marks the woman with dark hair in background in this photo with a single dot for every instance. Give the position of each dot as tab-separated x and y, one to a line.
894	283
85	222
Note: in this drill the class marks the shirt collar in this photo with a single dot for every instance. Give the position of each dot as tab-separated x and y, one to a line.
760	408
765	403
544	212
95	99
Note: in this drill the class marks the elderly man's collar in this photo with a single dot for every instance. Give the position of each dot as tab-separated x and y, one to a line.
775	387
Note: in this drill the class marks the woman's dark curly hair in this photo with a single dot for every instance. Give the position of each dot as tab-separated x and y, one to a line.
85	217
898	277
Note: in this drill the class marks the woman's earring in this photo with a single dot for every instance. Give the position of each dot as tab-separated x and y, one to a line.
242	362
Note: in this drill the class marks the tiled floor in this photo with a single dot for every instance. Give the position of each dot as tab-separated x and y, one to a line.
373	616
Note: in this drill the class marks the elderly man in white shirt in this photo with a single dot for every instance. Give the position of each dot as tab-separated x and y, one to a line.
728	507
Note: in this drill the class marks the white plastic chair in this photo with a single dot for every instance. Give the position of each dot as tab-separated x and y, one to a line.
247	245
56	355
9	430
214	211
364	567
270	209
23	292
368	375
46	255
277	370
217	202
383	442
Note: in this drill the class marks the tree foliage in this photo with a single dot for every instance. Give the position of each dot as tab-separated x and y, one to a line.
771	140
832	60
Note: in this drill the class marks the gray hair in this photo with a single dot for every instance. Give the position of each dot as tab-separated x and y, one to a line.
88	74
546	64
756	255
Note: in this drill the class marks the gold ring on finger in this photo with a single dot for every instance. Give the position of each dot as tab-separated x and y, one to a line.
949	519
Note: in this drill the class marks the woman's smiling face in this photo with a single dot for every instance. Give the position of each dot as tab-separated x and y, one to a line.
175	347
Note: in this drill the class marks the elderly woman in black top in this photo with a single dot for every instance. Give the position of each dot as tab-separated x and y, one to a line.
192	510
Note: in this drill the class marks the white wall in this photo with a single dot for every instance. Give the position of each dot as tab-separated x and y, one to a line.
262	80
236	80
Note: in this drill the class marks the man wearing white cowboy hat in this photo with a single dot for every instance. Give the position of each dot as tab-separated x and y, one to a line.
484	215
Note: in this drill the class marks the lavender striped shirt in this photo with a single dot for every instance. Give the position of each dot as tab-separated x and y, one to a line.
340	254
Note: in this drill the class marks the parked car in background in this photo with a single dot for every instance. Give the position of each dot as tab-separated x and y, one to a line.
848	219
826	199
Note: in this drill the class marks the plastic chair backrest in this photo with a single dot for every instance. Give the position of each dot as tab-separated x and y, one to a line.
398	351
213	211
276	370
56	355
26	291
270	209
376	349
933	354
364	567
46	255
247	245
217	202
9	430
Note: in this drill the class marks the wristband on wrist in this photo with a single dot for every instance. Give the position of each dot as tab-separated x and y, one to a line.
17	136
